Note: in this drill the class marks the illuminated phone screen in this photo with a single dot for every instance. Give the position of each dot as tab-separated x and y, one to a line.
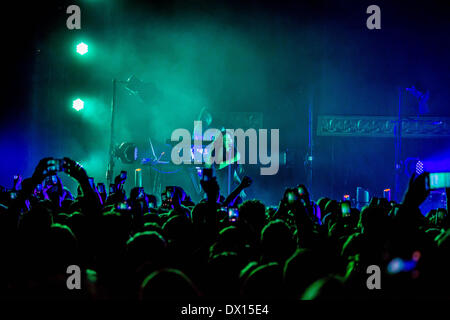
345	208
439	180
233	214
291	197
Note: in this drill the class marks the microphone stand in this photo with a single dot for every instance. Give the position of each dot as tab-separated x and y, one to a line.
398	147
110	169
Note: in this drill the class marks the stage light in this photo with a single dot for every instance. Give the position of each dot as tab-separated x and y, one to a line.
387	194
82	48
414	165
78	104
419	167
127	152
362	197
138	177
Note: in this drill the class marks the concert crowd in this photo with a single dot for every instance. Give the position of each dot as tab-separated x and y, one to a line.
136	247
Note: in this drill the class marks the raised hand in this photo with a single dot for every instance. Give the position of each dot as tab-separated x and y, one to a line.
40	172
17	182
75	170
246	182
417	191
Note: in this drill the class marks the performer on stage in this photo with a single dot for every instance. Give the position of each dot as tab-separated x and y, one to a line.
228	172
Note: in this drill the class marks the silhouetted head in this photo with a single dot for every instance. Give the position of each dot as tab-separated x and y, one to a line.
373	220
329	288
61	249
265	281
277	242
38	219
223	275
322	202
253	213
177	228
229	240
167	284
301	269
152	217
146	247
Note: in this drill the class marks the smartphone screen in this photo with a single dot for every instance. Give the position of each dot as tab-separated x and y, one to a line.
141	193
291	197
440	214
170	192
101	187
439	180
51	163
301	191
122	206
92	183
233	214
345	209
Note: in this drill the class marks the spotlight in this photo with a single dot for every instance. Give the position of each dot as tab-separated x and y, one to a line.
127	152
82	48
78	104
414	165
134	84
419	167
387	194
142	90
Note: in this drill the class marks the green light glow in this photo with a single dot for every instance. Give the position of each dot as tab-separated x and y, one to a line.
78	104
82	48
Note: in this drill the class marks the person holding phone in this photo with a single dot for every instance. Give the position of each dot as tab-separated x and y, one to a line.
233	214
101	188
45	173
17	182
120	180
116	191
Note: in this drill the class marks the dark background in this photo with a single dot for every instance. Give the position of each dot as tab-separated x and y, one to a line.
272	57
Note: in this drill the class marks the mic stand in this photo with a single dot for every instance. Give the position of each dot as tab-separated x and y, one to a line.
110	169
398	147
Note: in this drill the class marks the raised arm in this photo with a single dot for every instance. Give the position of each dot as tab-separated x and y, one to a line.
91	197
245	183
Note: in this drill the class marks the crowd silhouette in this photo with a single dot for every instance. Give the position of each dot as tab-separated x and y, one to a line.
129	247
